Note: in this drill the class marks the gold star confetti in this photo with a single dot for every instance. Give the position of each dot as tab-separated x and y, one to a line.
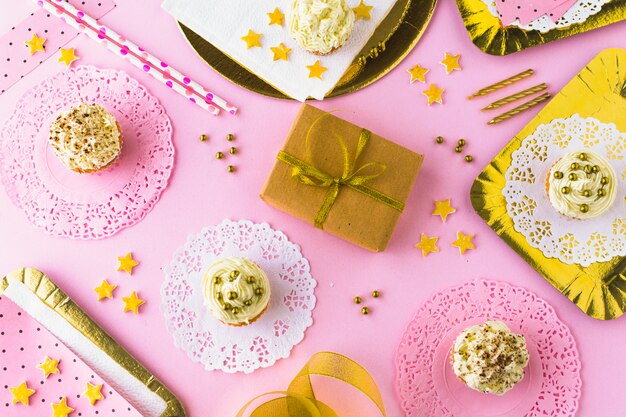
316	70
93	393
132	303
36	44
105	290
281	52
68	56
427	244
49	366
433	93
276	17
418	73
61	409
127	263
252	39
21	393
362	11
443	209
463	242
451	62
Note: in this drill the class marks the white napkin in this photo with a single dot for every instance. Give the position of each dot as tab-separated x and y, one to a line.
224	22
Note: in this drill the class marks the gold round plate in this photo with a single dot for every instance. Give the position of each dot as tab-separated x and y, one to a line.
392	40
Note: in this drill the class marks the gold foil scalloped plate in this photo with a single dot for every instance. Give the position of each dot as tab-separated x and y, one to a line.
488	34
52	297
598	91
393	39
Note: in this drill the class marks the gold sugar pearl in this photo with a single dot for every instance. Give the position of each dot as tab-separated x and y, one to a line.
572	176
235	310
558	175
587	169
375	293
230	137
565	190
357	300
582	156
595	169
468	158
250	280
232	295
604	180
203	138
247	303
217	280
458	149
439	139
219	295
219	155
365	311
230	168
234	274
227	306
586	193
461	142
232	150
584	208
574	166
601	193
258	291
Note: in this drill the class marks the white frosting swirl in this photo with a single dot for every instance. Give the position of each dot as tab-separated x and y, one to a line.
86	138
582	185
320	26
236	290
489	357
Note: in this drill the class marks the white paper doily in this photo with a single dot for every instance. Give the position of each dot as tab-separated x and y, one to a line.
580	11
572	241
246	348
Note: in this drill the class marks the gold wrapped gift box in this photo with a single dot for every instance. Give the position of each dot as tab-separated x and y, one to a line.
342	178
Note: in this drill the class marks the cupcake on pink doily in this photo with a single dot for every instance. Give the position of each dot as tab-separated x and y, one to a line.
426	382
66	203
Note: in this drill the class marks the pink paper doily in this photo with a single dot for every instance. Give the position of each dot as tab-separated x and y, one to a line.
86	206
425	380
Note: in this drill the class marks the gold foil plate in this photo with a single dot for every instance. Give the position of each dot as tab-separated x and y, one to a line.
597	91
392	40
487	32
47	291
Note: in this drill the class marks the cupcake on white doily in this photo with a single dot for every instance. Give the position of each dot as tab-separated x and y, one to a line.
259	344
571	241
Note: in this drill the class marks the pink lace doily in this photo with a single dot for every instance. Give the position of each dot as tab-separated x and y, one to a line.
86	206
426	382
261	343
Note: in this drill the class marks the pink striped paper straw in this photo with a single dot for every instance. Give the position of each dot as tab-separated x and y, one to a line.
137	56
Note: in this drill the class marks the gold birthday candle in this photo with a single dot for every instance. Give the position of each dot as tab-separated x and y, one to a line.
500	84
514	97
519	109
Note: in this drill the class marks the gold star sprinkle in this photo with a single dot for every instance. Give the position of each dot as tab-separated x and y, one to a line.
21	393
427	244
418	73
68	56
252	39
132	303
463	242
280	52
433	94
36	44
61	409
93	393
276	17
49	366
127	263
451	62
316	70
105	290
362	11
443	209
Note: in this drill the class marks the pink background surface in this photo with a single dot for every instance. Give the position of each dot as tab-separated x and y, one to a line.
202	193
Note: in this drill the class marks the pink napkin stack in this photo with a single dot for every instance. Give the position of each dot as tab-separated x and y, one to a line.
528	10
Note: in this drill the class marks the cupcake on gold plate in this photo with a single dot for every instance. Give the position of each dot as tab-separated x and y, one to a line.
320	26
86	138
236	291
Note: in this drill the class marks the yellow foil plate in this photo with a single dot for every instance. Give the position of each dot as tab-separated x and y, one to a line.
487	32
394	38
598	91
51	296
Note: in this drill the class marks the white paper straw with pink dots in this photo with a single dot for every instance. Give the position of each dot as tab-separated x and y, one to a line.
137	56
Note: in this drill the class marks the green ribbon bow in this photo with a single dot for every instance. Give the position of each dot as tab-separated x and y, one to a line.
355	178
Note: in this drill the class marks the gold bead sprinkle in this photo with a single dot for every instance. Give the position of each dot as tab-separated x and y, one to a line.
357	300
574	166
595	169
586	193
365	311
558	175
572	176
604	180
584	208
375	293
227	306
235	310
258	291
461	142
232	295
458	149
203	138
230	137
232	150
247	303
230	168
219	155
234	274
250	280
439	139
582	156
468	158
217	280
565	190
601	193
587	169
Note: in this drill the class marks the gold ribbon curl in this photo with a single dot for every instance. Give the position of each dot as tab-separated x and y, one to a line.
355	178
299	400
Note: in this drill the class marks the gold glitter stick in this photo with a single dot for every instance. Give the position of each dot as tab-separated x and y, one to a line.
500	84
519	109
514	97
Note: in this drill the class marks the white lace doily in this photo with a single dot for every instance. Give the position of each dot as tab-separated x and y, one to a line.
572	241
261	343
579	12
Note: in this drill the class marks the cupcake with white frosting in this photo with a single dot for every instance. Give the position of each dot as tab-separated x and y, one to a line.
86	138
236	291
490	358
582	185
320	26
